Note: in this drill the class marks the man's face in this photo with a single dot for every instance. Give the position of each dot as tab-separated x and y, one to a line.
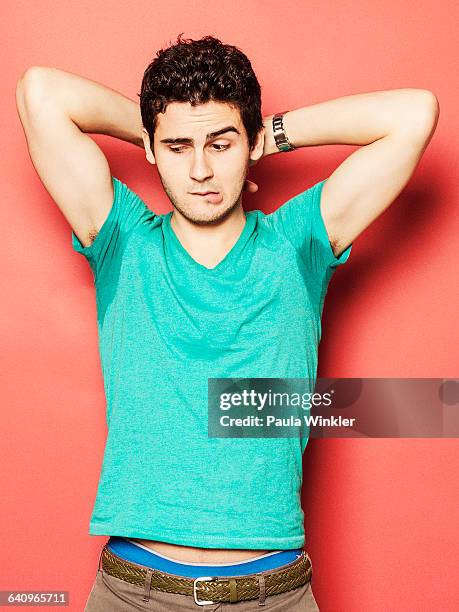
191	158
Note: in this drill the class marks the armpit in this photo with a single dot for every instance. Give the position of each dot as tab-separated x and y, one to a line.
92	236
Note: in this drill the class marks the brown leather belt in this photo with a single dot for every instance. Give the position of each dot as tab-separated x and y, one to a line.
213	589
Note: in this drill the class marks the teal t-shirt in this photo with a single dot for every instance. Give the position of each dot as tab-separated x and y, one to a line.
166	324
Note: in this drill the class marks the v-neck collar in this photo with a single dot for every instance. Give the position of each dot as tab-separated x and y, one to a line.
229	257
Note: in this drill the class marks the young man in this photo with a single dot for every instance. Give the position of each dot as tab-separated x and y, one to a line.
205	291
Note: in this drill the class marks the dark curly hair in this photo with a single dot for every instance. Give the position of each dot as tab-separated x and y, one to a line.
199	71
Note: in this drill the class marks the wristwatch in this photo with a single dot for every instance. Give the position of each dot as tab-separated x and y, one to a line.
280	136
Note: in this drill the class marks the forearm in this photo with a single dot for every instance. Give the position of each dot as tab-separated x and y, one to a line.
358	119
93	107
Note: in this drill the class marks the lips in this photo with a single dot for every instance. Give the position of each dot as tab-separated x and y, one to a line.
211	196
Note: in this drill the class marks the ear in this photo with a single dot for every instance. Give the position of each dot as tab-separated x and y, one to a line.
146	143
257	152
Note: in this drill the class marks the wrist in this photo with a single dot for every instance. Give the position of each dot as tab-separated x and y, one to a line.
277	135
270	147
281	138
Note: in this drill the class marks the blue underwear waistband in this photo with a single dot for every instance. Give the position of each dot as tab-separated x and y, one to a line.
137	553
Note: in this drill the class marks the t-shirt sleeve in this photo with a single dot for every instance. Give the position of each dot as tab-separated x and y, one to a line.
301	222
127	212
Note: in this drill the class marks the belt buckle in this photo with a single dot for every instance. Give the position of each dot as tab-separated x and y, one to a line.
195	595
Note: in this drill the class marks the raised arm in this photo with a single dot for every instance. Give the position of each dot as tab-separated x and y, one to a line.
394	125
57	109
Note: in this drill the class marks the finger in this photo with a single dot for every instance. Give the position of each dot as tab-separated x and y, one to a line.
250	186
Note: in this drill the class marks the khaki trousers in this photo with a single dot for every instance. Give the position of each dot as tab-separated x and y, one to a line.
111	594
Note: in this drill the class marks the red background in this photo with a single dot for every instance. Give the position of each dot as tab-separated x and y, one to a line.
381	514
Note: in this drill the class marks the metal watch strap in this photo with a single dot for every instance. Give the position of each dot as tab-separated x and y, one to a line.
280	137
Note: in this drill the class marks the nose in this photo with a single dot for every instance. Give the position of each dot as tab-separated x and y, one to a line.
200	169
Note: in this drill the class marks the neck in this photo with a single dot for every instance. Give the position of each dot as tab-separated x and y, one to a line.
209	242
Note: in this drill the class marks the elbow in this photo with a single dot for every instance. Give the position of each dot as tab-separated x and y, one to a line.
30	79
426	112
30	87
430	106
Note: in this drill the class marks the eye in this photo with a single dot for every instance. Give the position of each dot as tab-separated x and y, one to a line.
220	147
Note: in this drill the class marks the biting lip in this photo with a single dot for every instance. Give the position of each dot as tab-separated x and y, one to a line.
202	192
210	197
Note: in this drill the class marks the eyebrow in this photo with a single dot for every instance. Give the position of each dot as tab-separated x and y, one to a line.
211	136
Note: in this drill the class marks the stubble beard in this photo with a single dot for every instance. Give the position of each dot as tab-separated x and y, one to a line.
215	219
